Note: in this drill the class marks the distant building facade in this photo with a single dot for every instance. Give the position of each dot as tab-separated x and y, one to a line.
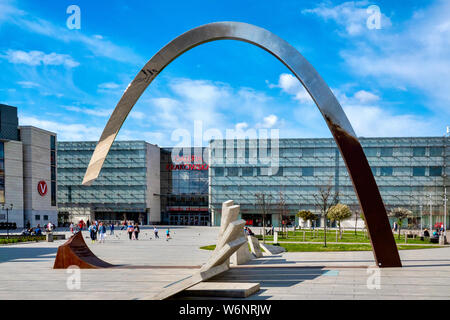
127	188
28	178
184	186
408	172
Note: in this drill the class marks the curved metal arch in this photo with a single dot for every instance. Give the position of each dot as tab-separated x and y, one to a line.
383	243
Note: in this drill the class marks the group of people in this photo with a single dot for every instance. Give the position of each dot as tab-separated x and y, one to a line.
97	230
37	231
248	231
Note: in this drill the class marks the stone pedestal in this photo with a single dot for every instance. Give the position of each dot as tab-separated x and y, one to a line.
241	256
49	237
254	246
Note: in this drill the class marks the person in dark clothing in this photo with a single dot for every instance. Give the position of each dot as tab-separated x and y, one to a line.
130	230
136	231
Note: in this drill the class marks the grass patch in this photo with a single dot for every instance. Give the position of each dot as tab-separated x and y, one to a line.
315	247
22	239
213	246
347	236
210	247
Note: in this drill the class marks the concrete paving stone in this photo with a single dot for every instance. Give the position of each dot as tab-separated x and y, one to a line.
25	269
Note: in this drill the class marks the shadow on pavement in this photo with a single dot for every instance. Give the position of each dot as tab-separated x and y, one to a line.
11	253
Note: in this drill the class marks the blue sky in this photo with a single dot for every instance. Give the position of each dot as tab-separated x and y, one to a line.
391	81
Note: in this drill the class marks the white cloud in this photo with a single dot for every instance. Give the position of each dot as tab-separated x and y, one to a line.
28	84
91	112
366	97
350	16
370	118
108	85
241	126
7	9
415	59
36	58
96	44
269	122
65	131
137	115
291	85
374	121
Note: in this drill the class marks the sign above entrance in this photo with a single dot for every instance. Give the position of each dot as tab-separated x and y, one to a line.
202	167
42	188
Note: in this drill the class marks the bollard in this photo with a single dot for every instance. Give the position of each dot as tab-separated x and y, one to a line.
275	237
336	236
406	238
49	237
304	234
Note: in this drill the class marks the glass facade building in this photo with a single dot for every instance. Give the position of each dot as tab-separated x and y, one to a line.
184	186
125	189
410	172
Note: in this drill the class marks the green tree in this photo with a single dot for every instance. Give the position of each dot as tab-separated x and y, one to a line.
400	214
325	198
307	215
339	213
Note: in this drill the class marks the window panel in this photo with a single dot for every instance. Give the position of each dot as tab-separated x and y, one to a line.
419	171
232	172
371	152
419	151
308	171
386	171
386	152
247	172
436	151
435	171
307	152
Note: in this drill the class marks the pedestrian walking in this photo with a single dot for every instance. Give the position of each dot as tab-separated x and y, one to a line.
130	230
102	232
155	231
136	231
92	233
71	227
111	229
167	234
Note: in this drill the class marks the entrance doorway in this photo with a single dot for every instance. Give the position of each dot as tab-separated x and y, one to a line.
189	219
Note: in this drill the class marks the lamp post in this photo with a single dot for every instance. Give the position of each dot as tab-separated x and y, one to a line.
431	213
445	211
7	217
421	221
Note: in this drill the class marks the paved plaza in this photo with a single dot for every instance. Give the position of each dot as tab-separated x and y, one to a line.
149	265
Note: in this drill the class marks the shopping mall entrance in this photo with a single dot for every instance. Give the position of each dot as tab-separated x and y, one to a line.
119	217
189	218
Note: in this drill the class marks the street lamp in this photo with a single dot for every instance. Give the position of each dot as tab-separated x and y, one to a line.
445	211
431	213
7	217
421	221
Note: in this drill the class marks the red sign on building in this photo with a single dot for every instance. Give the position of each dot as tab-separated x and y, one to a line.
42	188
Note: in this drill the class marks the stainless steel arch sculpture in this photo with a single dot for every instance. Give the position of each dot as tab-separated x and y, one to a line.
383	243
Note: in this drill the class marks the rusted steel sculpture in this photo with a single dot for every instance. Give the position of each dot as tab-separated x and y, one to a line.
383	243
75	252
